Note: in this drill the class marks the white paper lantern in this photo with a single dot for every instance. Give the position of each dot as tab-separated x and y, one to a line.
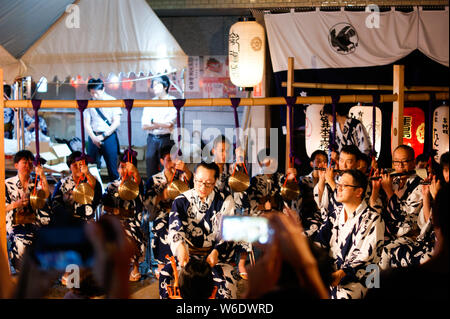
246	49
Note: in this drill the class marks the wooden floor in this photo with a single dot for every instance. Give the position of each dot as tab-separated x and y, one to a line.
146	288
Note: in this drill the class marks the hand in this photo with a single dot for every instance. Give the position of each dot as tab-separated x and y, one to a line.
386	184
264	275
239	155
329	175
112	256
435	186
213	258
84	168
291	173
23	202
337	277
293	215
374	163
39	171
376	183
97	140
182	255
322	174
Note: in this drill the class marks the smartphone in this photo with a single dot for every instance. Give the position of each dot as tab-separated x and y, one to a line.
251	229
57	247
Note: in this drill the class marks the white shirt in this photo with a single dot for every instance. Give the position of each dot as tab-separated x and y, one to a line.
97	123
163	115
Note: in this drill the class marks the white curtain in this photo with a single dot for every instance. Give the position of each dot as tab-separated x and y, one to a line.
433	35
346	39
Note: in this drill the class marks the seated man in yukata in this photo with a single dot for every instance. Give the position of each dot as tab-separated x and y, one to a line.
354	237
194	231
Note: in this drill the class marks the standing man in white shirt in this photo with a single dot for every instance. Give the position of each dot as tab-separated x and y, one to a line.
101	125
159	122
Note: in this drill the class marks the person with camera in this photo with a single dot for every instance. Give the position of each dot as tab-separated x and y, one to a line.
22	220
194	229
128	211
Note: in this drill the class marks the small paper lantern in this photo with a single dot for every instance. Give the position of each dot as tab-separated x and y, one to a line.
246	49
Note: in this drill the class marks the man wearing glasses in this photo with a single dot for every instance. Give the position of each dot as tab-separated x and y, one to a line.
354	237
194	229
405	201
325	189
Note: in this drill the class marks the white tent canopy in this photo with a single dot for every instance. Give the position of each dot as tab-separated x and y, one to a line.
103	36
9	64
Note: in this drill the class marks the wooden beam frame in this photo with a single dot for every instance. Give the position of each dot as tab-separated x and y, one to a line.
397	106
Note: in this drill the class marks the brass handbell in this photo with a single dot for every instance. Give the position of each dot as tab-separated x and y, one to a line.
176	187
37	199
239	181
128	189
290	190
83	194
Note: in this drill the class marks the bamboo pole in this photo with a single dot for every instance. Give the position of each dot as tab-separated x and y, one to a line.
290	92
397	111
3	245
384	98
377	87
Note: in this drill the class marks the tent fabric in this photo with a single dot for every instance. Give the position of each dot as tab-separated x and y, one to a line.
23	22
345	39
110	36
9	64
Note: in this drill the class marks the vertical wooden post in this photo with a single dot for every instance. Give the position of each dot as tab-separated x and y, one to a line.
290	92
397	111
3	250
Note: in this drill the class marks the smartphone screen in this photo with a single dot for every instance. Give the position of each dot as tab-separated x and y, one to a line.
246	228
59	260
57	247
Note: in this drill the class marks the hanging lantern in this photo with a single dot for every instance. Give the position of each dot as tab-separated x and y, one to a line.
246	49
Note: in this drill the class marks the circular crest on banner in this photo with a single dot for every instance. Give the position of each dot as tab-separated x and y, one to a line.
343	38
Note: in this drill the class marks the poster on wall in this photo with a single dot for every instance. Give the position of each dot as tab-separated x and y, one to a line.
440	130
413	128
317	129
364	115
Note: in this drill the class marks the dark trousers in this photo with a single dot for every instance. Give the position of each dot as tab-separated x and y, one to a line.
154	145
109	152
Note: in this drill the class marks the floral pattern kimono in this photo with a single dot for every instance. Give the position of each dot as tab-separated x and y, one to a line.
354	133
131	225
82	211
159	214
409	236
354	244
21	235
262	187
199	222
